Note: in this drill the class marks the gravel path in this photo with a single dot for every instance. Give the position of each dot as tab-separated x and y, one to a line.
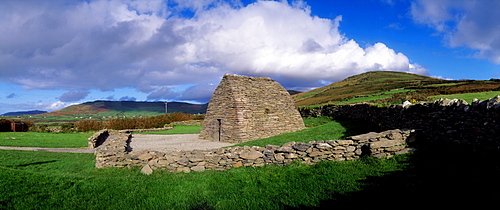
166	143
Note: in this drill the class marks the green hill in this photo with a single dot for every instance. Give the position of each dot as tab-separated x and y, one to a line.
388	87
362	85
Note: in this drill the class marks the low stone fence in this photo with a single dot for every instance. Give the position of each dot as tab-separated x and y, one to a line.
111	153
115	152
98	138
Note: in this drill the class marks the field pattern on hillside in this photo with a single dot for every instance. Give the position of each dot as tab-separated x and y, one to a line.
385	87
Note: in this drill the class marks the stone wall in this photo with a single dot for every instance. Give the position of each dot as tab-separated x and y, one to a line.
100	137
115	152
443	122
247	108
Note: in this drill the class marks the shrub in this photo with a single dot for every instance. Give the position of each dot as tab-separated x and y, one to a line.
68	128
89	125
6	127
39	128
132	123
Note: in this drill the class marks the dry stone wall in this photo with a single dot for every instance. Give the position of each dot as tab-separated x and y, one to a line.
98	138
442	122
247	108
115	152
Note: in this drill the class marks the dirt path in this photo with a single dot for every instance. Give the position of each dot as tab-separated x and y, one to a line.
166	143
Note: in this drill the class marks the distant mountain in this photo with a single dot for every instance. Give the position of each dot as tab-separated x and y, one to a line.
129	107
33	112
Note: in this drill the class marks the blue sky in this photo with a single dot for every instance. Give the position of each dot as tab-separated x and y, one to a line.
60	52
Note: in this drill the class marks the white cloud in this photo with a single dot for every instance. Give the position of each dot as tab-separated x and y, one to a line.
147	45
55	106
49	106
470	23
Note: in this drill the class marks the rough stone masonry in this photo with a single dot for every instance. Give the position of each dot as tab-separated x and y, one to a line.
246	108
116	152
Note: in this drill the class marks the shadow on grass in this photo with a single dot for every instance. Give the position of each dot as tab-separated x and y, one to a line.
452	177
356	127
35	163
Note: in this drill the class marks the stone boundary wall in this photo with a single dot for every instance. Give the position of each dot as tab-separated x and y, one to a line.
442	122
115	152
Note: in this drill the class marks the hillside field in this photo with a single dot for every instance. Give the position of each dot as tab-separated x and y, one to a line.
385	88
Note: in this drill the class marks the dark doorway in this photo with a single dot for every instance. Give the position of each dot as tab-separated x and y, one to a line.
219	121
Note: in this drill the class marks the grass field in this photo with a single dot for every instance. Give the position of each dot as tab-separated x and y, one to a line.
48	140
71	140
178	129
45	180
319	129
470	96
42	180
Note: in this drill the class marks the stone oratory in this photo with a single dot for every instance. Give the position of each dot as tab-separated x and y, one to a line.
246	108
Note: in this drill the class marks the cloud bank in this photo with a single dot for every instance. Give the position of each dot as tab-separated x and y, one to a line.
153	46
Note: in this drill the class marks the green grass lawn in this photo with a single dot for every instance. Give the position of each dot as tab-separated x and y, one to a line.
470	96
178	129
377	96
48	140
71	140
323	128
44	180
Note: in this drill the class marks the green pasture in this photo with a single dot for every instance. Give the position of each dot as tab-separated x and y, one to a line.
178	129
44	180
71	140
47	180
49	140
323	128
470	96
373	97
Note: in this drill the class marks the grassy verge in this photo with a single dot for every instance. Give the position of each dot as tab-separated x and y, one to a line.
44	180
49	140
40	180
